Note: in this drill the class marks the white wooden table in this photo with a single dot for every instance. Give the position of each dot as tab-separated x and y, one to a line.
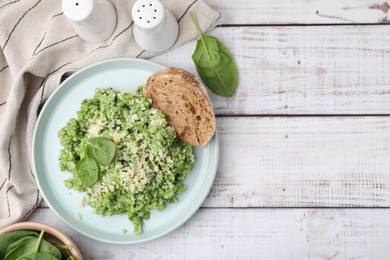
304	170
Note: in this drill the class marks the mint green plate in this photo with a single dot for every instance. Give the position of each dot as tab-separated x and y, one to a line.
122	74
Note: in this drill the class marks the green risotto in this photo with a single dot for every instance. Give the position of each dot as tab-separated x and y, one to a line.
148	163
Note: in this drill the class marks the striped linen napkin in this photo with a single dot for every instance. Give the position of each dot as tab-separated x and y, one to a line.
38	45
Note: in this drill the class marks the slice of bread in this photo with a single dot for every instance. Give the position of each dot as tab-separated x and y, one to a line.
185	103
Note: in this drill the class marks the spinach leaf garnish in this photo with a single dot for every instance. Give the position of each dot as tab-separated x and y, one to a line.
101	149
87	171
214	63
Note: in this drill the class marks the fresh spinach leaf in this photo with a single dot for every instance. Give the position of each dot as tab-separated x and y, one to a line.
87	171
38	243
38	256
17	247
101	149
47	247
29	246
24	244
214	63
12	236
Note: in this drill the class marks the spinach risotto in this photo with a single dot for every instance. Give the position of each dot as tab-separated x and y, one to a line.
124	156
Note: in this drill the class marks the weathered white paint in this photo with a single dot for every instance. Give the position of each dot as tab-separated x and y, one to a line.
302	12
303	162
302	70
255	234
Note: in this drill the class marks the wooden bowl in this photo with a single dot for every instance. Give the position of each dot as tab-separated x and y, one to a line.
51	234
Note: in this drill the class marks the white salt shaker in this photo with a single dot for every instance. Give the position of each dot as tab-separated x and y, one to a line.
93	20
155	28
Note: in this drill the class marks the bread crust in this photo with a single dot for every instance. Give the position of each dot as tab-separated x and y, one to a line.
185	103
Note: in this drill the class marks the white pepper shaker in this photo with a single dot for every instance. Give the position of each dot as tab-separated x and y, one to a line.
155	28
93	20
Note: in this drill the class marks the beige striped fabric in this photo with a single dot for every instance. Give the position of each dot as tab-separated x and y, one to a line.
37	46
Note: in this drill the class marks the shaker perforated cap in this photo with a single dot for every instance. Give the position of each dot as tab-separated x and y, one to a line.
77	10
148	14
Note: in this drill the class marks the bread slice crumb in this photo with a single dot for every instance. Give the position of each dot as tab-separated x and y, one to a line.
185	103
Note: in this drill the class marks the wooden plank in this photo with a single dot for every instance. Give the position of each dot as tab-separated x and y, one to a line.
302	70
302	12
302	162
255	234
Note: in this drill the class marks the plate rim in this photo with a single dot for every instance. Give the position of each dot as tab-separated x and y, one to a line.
189	215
